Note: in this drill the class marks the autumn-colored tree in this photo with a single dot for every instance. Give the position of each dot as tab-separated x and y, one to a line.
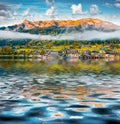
7	49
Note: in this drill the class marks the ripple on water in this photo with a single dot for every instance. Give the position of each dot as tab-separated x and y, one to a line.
80	99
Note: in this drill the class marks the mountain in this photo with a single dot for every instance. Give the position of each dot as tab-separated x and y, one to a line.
54	27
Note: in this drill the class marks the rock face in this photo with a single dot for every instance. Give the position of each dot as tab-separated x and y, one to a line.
53	25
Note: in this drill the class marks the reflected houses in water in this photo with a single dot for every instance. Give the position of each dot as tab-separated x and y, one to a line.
54	91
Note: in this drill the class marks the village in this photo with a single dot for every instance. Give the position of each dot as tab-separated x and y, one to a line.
64	52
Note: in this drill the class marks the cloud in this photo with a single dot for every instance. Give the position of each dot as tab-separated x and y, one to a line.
108	5
4	7
112	17
5	11
9	12
117	0
19	6
26	12
77	10
87	35
15	13
50	2
94	10
117	5
51	12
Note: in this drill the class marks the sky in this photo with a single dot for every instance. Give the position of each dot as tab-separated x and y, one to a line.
15	11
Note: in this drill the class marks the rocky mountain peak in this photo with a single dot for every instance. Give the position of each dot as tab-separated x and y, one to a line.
26	21
62	25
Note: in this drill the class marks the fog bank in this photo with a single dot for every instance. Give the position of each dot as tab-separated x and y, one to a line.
87	35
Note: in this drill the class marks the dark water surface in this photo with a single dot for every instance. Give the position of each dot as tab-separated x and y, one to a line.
59	92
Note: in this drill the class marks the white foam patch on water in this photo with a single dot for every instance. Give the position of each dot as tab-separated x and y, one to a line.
76	117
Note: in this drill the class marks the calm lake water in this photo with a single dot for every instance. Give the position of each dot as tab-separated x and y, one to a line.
59	92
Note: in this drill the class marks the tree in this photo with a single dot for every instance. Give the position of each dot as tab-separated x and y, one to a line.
42	52
7	49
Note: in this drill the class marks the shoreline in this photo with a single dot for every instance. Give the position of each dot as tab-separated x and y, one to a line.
83	57
51	58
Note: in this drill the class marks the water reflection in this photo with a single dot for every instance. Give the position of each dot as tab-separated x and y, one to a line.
59	92
60	66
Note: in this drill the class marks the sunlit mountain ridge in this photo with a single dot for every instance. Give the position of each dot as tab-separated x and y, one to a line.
54	27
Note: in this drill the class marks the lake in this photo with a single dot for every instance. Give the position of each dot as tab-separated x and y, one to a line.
59	92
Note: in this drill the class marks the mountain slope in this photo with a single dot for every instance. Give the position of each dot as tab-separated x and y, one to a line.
54	27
